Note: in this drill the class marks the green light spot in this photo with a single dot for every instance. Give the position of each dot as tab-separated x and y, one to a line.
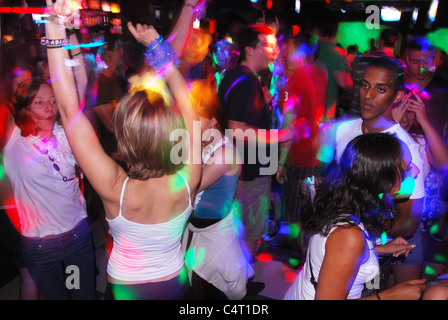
294	262
440	258
438	38
123	293
407	186
294	231
176	182
325	154
183	276
434	228
430	271
383	238
2	170
193	259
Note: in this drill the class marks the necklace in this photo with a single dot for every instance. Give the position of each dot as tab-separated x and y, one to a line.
61	154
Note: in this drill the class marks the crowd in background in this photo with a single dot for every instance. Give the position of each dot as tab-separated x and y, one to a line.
305	97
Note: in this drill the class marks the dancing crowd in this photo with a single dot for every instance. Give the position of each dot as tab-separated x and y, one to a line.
353	143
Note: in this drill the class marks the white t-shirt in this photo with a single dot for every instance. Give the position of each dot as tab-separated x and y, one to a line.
347	131
46	204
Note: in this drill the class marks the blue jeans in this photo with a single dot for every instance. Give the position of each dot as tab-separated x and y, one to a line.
63	266
416	255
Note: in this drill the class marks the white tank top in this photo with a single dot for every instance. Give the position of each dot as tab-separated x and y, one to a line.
303	289
143	252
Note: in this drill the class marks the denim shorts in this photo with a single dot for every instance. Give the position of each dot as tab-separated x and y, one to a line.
416	255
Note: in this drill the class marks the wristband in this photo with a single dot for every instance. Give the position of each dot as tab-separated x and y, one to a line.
160	54
52	43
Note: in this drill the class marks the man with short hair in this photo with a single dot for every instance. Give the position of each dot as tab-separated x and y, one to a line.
382	85
244	104
422	78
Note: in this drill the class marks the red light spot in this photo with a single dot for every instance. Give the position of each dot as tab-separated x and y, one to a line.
290	276
265	257
212	26
295	30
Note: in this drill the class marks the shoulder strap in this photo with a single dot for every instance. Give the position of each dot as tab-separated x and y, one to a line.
312	279
122	193
188	187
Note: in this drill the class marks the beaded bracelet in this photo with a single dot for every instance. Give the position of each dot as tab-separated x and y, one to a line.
160	53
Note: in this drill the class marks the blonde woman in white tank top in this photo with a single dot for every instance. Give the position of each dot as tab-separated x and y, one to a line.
147	205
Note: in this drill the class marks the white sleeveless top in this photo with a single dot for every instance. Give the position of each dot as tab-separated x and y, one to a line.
143	252
303	289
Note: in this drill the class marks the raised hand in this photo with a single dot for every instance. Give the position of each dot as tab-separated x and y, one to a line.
399	111
418	107
142	33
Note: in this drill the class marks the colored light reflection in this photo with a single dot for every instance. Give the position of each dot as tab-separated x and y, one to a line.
440	258
325	154
2	172
291	231
265	257
290	276
123	293
194	257
407	186
434	228
430	271
383	238
294	262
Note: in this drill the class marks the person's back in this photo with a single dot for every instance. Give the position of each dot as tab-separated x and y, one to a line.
303	288
143	229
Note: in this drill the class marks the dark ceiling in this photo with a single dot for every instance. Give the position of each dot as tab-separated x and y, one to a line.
348	10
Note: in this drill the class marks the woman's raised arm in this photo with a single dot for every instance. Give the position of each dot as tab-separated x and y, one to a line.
98	167
178	86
